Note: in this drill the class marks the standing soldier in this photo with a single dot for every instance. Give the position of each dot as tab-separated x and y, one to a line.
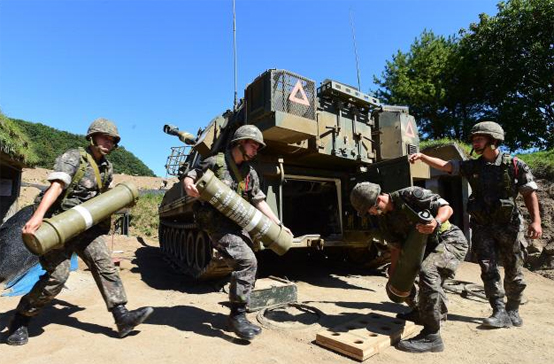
446	247
496	222
78	176
229	239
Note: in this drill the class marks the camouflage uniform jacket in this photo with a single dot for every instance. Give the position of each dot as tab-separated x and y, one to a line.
396	225
65	168
495	186
207	216
89	244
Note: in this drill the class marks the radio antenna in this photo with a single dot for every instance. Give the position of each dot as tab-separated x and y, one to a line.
235	54
355	50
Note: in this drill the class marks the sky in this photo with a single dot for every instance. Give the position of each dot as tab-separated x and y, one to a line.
146	63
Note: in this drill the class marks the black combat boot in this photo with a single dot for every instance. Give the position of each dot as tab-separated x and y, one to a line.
18	334
425	341
242	308
512	308
499	317
127	320
239	323
257	329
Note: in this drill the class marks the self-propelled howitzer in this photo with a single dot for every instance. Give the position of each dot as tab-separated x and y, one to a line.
321	141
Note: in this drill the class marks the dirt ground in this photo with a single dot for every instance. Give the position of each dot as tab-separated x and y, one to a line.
189	320
188	323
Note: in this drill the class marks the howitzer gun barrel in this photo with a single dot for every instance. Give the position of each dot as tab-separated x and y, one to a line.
185	137
403	277
229	203
55	231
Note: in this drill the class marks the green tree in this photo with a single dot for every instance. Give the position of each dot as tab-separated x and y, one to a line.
420	79
509	59
500	69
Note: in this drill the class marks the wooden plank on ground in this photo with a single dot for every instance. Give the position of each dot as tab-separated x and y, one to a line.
366	336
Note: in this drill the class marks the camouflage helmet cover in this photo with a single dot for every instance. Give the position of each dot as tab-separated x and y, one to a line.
103	126
246	132
363	196
489	128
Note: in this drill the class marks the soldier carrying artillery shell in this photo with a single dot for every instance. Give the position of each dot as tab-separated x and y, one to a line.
79	175
228	238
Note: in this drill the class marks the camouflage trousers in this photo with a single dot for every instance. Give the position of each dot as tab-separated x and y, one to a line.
92	249
235	248
506	244
234	245
439	263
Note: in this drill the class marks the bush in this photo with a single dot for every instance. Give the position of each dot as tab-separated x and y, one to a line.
144	216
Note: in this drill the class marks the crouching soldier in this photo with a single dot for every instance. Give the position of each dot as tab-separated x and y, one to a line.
446	247
78	176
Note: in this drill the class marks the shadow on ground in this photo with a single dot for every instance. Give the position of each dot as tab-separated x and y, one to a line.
158	274
317	268
311	267
196	320
182	318
60	312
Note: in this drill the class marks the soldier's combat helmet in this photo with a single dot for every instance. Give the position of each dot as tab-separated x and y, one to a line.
248	132
489	128
363	196
103	126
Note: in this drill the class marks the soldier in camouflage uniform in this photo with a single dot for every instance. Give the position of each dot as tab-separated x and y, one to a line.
229	239
497	224
78	176
446	247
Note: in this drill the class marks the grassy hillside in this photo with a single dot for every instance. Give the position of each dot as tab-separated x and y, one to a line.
15	142
541	163
45	143
444	141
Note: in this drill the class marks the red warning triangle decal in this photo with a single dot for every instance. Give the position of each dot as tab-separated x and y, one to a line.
303	99
410	130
